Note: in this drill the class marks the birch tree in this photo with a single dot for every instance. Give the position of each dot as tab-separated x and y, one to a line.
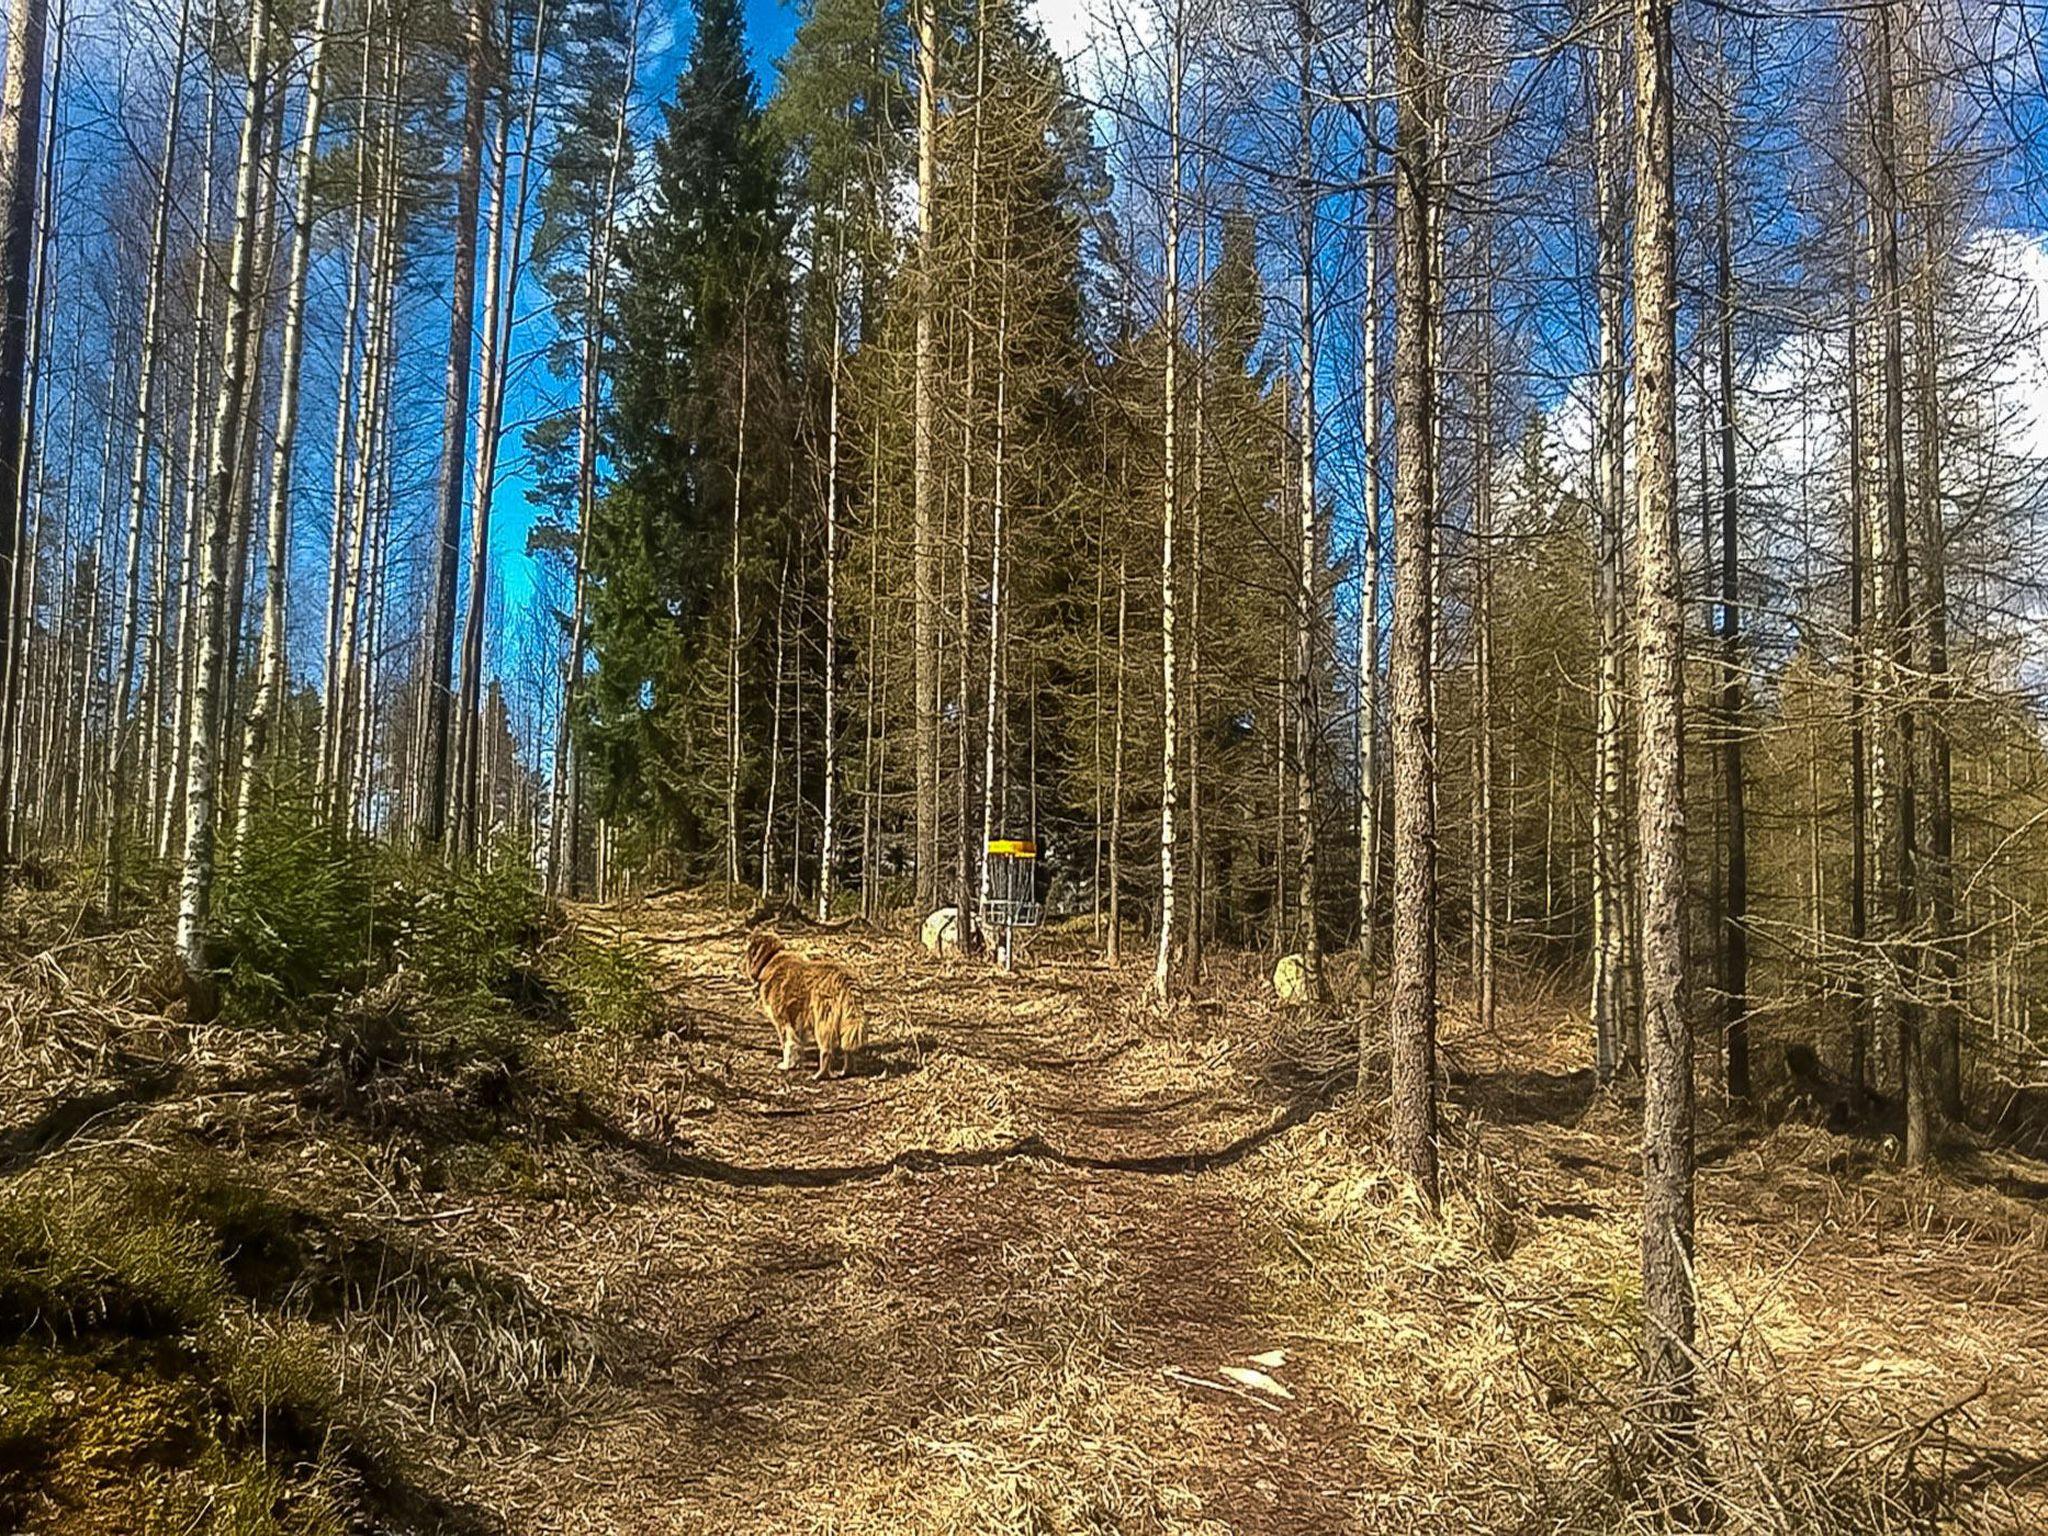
271	665
195	898
116	830
1169	687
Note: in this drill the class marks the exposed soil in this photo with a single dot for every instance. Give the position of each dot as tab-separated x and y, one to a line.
1024	1175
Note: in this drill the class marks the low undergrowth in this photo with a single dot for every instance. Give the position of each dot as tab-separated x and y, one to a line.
232	1294
1488	1355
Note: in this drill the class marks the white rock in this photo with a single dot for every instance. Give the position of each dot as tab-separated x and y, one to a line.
942	933
1290	979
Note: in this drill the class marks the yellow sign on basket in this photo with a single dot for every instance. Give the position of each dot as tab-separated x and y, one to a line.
1016	848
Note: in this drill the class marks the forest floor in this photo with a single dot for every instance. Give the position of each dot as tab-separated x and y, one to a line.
1050	1261
998	1280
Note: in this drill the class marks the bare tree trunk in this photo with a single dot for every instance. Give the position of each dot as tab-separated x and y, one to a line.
113	844
874	725
454	433
1308	716
968	310
1116	777
491	368
1861	992
373	567
1412	1014
249	434
21	116
1668	1303
565	790
79	714
795	888
501	308
1483	937
775	740
345	464
993	706
1895	743
1937	867
1198	873
155	654
923	564
1369	577
1095	696
198	446
1610	863
732	719
1735	906
1285	489
828	834
1169	687
195	900
341	755
270	667
18	570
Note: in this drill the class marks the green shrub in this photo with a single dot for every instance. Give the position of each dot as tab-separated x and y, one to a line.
610	995
611	1005
470	923
308	912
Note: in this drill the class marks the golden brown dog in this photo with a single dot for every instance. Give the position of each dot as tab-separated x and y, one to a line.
806	997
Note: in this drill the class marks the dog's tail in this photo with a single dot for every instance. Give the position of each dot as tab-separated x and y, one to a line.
853	1024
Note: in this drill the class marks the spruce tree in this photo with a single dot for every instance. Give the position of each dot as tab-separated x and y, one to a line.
693	516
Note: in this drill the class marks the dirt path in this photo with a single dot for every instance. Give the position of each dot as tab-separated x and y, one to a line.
1010	1228
996	1281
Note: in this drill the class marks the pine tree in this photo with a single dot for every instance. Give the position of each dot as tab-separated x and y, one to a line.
450	479
1667	1236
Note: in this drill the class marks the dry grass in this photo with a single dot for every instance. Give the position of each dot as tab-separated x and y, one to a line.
1001	1278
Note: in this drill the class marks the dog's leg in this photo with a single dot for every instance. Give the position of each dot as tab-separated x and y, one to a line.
789	1050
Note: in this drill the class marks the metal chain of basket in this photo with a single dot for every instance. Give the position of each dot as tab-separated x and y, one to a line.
1009	896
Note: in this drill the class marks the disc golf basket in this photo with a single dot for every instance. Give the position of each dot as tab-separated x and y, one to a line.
1009	897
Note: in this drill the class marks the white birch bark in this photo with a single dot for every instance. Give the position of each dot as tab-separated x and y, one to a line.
270	663
195	897
1169	686
113	844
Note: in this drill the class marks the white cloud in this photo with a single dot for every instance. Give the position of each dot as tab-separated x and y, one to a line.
1097	39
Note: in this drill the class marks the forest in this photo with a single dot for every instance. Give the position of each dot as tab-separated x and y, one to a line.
1444	600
